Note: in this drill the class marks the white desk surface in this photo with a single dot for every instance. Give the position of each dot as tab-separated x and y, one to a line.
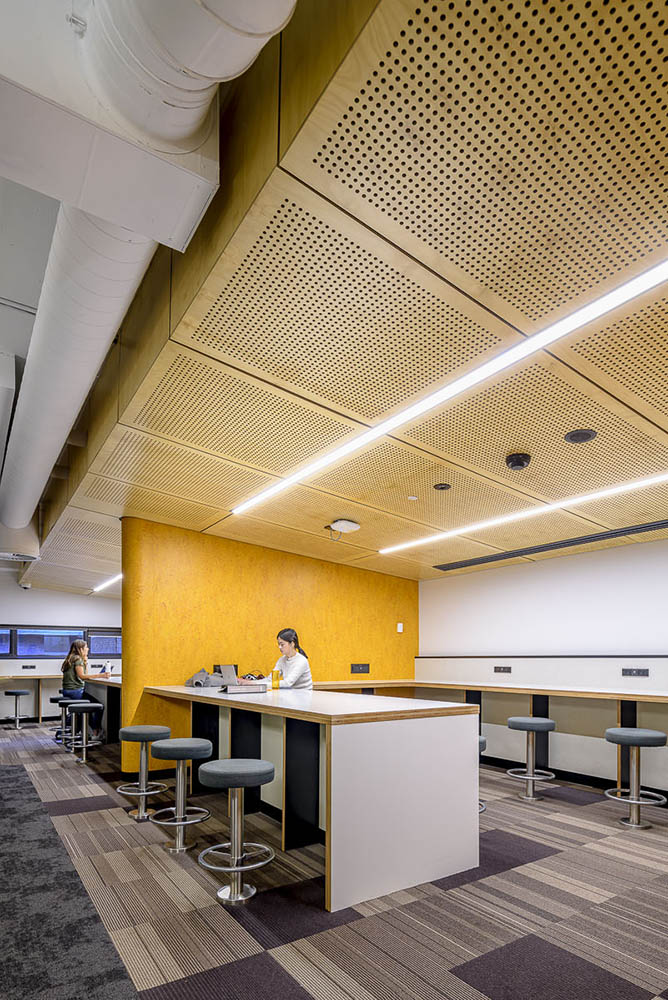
106	681
325	707
648	694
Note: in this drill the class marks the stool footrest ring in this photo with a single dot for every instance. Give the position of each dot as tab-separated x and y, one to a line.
78	745
645	798
133	790
521	774
482	807
267	855
194	814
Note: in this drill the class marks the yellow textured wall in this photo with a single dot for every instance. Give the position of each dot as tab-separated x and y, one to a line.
192	600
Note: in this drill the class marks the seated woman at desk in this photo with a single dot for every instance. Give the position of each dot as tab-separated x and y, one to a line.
75	673
293	663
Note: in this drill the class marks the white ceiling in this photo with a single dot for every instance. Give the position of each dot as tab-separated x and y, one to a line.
27	220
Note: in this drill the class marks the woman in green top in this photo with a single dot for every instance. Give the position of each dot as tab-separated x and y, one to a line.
75	673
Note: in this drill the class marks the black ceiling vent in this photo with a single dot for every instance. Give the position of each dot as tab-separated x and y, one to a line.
566	543
518	460
580	436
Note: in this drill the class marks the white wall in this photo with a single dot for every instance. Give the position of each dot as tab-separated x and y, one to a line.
53	607
606	602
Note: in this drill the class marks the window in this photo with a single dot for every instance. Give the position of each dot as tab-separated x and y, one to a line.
104	644
4	640
54	642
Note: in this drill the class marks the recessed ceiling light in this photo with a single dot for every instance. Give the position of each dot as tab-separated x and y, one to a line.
521	515
519	352
411	498
442	486
579	437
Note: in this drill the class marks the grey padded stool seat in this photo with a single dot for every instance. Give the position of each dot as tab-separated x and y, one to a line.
82	709
17	694
180	815
482	746
235	775
530	724
635	796
142	788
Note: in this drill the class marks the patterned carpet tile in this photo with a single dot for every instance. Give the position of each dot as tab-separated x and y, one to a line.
499	851
163	950
383	903
335	966
534	968
549	823
92	803
248	979
626	935
279	916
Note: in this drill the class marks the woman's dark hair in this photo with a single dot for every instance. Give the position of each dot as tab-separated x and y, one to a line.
76	651
289	635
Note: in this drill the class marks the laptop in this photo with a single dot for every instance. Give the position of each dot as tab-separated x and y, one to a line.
229	682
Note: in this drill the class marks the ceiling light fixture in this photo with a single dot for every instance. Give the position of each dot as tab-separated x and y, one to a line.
442	486
581	317
521	515
108	583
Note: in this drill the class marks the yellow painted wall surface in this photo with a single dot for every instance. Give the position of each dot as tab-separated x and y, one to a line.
192	600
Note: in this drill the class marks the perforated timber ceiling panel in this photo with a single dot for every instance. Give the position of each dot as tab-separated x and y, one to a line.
306	297
143	460
318	545
197	401
627	354
530	410
79	541
516	147
124	500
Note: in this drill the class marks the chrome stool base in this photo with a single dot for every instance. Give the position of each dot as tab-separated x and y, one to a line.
133	790
226	896
640	798
190	816
482	806
522	774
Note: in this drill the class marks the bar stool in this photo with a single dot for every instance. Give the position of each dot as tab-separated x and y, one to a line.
635	796
530	724
82	709
55	700
482	746
66	732
17	694
236	775
181	815
142	788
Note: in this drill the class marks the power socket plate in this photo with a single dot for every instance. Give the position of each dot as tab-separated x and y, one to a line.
359	668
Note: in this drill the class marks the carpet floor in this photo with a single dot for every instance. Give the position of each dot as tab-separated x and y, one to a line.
565	903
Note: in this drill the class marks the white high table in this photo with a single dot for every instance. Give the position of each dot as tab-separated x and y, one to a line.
401	780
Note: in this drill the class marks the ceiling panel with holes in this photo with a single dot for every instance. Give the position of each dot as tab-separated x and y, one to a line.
471	173
519	150
306	297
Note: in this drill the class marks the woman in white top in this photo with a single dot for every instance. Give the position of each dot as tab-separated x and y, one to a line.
293	662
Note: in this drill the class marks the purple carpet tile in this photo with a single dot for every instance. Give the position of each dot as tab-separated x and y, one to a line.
67	807
534	969
257	978
499	852
280	916
574	796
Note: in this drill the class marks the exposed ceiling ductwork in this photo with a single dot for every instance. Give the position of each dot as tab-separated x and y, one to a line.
155	65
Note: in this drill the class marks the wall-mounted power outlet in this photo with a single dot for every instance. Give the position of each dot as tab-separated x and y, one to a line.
502	670
28	666
359	668
635	671
400	626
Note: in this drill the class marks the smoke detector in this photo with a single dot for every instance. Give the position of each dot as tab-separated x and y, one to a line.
342	526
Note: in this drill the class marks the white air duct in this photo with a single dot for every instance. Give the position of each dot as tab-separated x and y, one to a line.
92	274
156	65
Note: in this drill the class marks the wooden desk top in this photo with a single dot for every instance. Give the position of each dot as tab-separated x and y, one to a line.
326	707
556	692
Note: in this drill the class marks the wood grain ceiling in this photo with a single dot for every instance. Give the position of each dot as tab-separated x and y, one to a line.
470	174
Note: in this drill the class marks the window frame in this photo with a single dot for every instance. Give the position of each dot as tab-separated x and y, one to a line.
86	630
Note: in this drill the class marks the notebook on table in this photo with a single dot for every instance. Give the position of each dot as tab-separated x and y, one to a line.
230	684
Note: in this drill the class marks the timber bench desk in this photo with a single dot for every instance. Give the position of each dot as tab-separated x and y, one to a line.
396	811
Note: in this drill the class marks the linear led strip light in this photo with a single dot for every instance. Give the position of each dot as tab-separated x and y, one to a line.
107	583
522	515
581	317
